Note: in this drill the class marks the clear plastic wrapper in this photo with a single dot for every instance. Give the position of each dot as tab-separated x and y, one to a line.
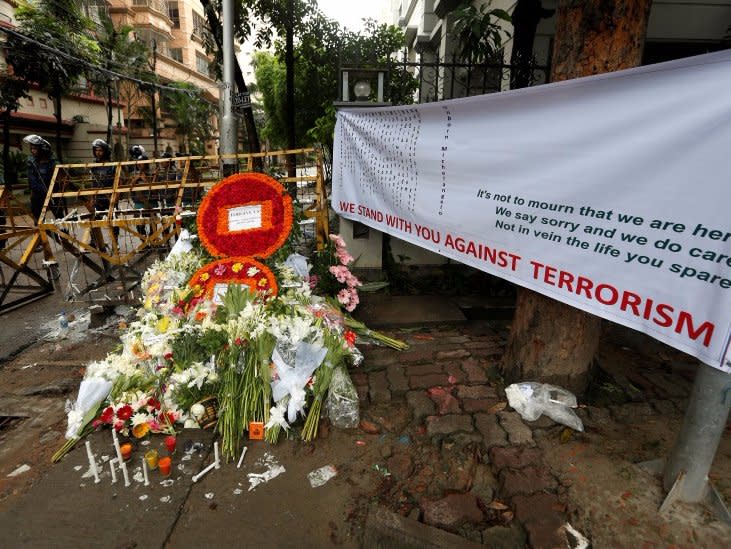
342	401
532	399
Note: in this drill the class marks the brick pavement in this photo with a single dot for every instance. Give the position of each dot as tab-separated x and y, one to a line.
444	379
448	383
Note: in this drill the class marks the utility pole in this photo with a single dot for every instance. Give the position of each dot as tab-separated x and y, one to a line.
228	121
289	62
153	101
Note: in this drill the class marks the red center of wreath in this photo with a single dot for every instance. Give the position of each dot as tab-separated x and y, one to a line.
245	215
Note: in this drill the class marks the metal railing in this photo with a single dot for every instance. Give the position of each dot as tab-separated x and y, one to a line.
438	80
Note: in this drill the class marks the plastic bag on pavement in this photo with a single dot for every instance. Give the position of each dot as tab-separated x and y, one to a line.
532	399
342	401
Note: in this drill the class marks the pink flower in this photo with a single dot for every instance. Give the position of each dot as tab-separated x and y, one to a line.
339	272
353	300
220	270
344	297
343	256
337	240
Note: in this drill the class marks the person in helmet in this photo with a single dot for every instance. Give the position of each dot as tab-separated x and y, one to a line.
101	177
40	171
138	174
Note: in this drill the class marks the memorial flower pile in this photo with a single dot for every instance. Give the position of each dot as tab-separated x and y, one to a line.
253	338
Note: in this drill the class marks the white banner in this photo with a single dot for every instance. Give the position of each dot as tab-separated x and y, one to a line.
609	193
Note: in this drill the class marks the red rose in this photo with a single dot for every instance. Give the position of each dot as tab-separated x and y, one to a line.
153	403
107	415
350	337
125	412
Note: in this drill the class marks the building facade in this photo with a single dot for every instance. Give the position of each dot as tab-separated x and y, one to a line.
173	30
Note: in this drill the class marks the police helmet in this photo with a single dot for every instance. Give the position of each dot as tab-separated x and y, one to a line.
103	145
136	152
38	141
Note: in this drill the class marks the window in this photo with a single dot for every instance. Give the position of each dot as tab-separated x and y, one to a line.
176	54
201	63
199	25
174	14
43	104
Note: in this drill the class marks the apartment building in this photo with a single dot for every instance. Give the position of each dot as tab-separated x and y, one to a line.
675	29
176	30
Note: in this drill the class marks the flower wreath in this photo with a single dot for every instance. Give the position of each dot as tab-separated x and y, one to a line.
247	214
212	280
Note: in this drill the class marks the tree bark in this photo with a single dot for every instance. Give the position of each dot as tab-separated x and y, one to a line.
550	341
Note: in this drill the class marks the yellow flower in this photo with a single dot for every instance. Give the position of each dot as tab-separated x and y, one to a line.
205	276
197	290
163	324
263	282
237	267
139	431
148	303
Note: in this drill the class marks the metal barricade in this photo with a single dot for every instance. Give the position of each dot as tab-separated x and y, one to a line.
112	219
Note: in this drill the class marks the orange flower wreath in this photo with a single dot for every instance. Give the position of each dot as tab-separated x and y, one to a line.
247	214
212	280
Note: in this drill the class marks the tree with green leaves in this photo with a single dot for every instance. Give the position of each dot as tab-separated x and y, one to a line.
53	47
479	32
321	48
192	114
12	89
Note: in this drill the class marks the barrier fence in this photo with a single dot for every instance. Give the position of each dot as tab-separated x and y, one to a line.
102	224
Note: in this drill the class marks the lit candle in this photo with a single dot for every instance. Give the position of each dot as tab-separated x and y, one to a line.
170	442
151	456
126	450
164	464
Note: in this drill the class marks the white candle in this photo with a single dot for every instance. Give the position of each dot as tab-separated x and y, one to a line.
123	466
92	462
114	473
203	472
116	446
144	472
241	459
217	461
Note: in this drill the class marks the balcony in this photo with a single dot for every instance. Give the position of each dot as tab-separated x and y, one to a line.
160	6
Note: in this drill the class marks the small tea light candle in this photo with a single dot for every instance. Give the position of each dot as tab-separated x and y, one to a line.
126	450
164	464
151	457
170	442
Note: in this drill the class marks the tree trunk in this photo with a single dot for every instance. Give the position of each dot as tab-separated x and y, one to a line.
57	98
110	114
8	179
550	341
